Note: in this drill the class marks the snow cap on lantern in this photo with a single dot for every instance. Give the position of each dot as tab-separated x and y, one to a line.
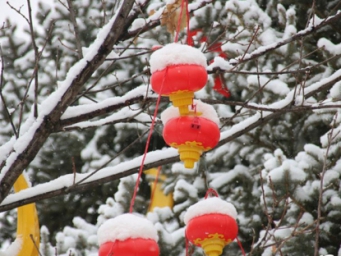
192	134
211	224
178	71
128	235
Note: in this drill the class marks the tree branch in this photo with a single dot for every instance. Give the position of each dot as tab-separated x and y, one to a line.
28	145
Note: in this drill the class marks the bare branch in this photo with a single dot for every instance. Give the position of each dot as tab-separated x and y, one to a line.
75	27
2	96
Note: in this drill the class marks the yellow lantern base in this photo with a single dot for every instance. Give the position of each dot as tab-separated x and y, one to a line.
189	152
181	100
213	245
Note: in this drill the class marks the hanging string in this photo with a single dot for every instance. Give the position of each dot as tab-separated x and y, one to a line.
184	4
147	146
187	21
179	21
154	187
211	192
241	246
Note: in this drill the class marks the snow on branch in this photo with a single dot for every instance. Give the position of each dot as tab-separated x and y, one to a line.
69	183
312	28
74	115
66	184
262	117
23	150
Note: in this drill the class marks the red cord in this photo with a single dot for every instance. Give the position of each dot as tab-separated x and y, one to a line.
187	21
211	192
241	246
154	187
179	21
147	146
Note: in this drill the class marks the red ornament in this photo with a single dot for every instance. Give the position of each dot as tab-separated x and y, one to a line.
179	82
212	232
191	135
130	247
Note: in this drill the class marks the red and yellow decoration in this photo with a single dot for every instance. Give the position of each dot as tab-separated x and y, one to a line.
212	232
211	224
191	135
128	235
179	82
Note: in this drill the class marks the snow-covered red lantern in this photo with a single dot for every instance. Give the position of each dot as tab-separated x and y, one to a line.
192	134
178	71
211	224
128	235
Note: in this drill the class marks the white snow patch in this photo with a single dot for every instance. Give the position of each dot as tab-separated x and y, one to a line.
126	226
210	205
220	63
14	248
174	54
206	110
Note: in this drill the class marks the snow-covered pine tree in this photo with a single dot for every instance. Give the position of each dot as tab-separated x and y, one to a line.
280	141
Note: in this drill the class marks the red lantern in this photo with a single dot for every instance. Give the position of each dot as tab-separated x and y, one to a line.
212	232
178	71
179	82
191	135
211	224
128	235
130	247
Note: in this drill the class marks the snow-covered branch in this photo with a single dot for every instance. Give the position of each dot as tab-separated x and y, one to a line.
24	149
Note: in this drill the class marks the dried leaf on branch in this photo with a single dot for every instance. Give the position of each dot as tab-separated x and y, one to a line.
171	15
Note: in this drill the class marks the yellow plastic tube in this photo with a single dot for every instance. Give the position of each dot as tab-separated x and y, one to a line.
27	224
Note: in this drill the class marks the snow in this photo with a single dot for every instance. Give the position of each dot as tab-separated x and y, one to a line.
289	167
275	85
68	180
14	248
137	24
182	186
228	177
54	98
207	111
210	205
220	63
88	108
335	91
174	54
126	226
123	114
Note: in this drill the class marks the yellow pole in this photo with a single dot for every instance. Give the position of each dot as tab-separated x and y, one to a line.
27	224
158	198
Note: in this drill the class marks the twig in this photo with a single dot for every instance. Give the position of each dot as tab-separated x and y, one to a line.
36	58
2	96
34	74
35	245
257	53
130	56
18	11
110	160
67	47
75	27
74	170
